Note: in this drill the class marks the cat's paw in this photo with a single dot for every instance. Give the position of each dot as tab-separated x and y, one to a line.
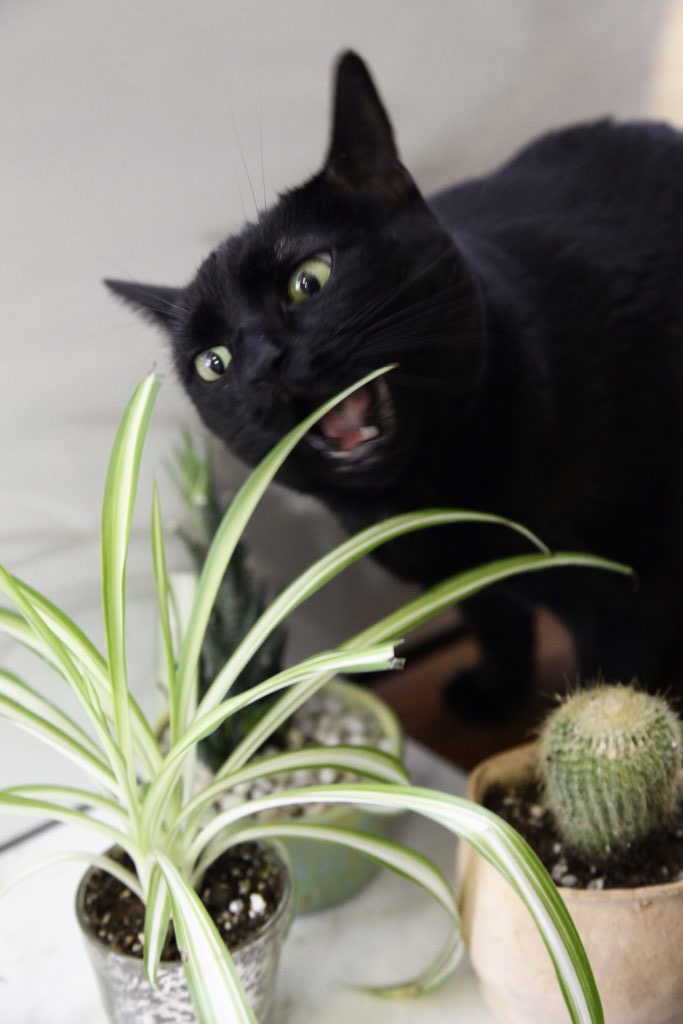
480	697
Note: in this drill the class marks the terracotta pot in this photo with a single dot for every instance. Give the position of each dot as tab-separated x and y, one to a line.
633	937
129	998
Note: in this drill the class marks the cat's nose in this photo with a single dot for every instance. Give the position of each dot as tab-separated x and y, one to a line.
260	359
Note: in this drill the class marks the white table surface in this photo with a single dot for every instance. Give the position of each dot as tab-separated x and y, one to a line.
387	933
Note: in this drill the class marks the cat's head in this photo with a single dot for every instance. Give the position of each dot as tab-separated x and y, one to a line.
347	273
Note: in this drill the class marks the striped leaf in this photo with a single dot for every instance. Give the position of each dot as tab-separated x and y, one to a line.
39	808
157	919
230	532
112	867
117	514
83	654
368	659
363	761
330	566
408	864
398	624
163	609
21	704
217	992
493	838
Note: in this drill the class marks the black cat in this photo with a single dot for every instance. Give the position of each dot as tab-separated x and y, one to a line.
536	317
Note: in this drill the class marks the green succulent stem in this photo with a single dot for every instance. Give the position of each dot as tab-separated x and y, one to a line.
609	763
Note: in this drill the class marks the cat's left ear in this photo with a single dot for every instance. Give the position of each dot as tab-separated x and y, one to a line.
158	303
362	154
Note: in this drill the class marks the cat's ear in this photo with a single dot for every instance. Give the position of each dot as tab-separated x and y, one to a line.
362	154
159	304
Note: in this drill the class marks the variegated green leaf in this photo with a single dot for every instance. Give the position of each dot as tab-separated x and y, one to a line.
117	513
330	566
157	919
363	761
367	659
84	654
37	808
80	682
127	878
492	838
68	796
465	584
414	613
229	533
21	704
217	993
397	858
163	604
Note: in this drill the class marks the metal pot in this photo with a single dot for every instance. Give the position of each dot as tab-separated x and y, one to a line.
130	999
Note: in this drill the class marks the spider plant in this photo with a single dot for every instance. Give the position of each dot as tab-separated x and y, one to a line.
142	799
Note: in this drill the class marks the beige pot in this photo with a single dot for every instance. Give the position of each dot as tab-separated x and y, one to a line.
633	937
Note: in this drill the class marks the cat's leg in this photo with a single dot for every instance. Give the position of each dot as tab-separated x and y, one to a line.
501	685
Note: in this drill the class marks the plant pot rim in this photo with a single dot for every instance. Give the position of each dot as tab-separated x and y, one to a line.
524	753
283	907
377	705
391	728
355	694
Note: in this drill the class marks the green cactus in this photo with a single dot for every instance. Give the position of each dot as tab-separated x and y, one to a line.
609	765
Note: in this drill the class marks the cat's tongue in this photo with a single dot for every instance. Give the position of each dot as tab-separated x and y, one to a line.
346	424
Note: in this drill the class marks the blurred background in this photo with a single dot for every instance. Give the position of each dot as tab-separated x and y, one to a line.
136	135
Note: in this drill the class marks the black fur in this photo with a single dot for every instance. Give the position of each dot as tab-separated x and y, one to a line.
536	319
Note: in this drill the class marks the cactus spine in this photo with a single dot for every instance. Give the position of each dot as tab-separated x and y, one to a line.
610	761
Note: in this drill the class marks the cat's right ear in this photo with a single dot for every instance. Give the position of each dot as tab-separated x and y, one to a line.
363	154
157	303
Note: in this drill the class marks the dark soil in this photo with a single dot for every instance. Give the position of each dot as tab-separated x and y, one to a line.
652	861
240	890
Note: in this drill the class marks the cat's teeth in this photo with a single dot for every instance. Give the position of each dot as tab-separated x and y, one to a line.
363	434
339	453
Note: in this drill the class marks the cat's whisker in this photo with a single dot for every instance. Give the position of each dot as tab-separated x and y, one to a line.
393	347
240	193
263	172
421	311
434	304
408	329
365	313
432	385
244	161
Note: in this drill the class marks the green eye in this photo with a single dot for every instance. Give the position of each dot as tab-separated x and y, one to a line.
213	363
308	278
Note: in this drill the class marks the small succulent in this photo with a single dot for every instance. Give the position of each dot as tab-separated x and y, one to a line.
240	601
610	762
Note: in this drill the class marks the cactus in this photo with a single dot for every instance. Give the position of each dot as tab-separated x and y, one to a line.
609	765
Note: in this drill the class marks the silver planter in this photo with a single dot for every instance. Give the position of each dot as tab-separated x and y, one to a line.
130	999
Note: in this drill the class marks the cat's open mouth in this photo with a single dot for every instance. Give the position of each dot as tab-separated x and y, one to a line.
356	429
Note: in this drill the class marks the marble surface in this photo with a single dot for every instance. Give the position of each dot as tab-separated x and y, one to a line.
386	933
